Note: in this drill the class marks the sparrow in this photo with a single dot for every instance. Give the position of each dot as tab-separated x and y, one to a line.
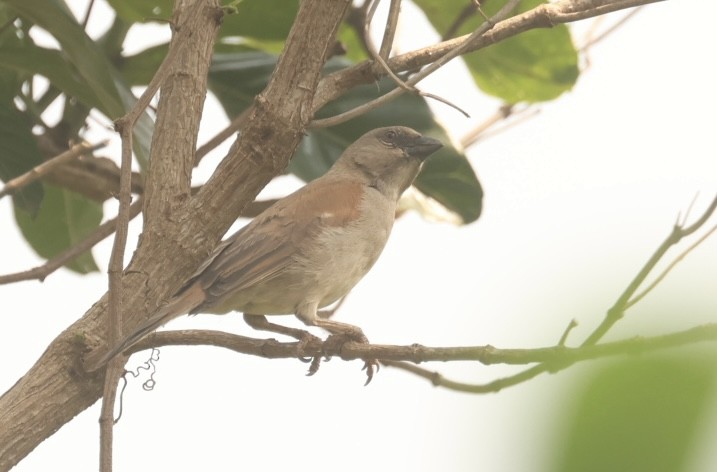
307	250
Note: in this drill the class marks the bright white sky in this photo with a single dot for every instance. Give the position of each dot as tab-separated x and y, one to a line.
577	198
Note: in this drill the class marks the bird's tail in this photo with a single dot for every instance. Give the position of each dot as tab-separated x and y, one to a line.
177	306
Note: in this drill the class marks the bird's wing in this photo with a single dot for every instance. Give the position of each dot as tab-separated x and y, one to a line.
263	248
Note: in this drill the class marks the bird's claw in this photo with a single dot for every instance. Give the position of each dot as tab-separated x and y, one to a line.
314	367
368	366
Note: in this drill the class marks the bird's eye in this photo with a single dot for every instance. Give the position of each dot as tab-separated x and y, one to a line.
390	135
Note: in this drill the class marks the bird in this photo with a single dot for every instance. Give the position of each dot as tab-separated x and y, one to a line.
307	250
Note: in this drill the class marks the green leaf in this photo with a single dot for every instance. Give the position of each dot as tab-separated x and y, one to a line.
93	67
448	178
64	219
139	68
236	78
10	80
534	66
538	65
355	51
260	19
639	415
18	154
142	10
51	64
91	64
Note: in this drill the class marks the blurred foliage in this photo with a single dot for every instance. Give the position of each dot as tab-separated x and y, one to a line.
638	415
64	219
95	75
20	153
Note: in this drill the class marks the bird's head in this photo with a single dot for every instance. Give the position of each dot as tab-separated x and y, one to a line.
387	158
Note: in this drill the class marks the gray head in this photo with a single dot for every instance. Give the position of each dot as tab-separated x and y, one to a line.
387	158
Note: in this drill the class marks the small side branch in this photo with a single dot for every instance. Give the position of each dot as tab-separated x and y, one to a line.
43	169
618	309
41	272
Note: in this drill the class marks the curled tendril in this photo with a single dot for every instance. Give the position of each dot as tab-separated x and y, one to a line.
148	385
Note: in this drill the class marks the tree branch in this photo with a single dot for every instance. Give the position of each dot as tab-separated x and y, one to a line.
40	272
43	169
552	358
544	16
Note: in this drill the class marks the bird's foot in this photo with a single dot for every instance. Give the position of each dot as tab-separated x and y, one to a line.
305	340
335	342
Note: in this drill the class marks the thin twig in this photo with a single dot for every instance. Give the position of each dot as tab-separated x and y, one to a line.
86	19
390	32
672	265
564	337
43	169
593	41
114	371
378	57
51	265
114	304
375	55
688	211
503	112
617	311
518	117
438	380
450	55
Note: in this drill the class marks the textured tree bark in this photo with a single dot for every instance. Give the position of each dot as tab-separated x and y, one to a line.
179	230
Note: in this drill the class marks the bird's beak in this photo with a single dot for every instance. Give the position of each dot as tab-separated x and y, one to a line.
423	147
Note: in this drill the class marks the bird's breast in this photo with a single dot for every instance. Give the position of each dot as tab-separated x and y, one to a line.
343	254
